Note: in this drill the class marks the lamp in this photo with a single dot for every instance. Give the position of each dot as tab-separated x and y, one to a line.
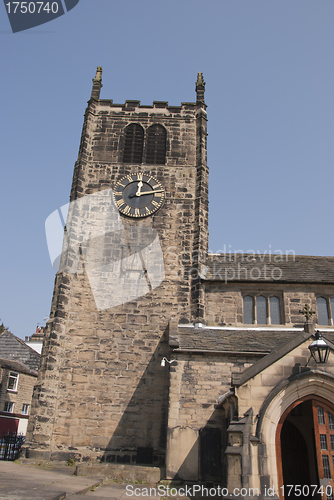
163	361
319	349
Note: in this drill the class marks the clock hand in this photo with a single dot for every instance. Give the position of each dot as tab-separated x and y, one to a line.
150	192
140	185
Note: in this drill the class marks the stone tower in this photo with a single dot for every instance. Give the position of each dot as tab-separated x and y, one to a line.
130	267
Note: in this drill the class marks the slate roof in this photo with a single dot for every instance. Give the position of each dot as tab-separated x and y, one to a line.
269	268
14	349
17	366
251	341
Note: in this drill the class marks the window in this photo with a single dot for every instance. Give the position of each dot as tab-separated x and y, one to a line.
275	313
323	441
133	144
322	311
321	415
9	407
332	441
331	421
325	463
261	310
25	409
248	310
156	145
325	308
12	381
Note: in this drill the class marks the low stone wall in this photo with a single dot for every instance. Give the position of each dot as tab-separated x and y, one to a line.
124	472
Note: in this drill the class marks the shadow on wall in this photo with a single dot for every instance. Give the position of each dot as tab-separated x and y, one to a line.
140	436
204	448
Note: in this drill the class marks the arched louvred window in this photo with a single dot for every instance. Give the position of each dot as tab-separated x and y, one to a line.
133	145
248	310
156	145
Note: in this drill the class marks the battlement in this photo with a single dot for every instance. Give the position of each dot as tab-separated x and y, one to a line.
133	106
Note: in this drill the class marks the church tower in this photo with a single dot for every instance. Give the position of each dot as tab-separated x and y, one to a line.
134	242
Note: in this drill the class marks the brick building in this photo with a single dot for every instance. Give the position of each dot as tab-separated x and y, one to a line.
136	284
18	374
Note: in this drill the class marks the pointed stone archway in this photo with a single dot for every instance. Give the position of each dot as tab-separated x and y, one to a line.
280	406
305	449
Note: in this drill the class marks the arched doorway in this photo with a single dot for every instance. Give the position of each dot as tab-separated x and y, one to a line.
305	450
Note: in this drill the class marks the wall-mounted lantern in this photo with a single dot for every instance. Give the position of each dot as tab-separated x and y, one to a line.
319	349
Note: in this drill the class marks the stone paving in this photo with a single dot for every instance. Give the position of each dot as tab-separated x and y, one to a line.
19	481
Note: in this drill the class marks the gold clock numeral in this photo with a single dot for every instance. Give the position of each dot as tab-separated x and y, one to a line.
155	203
158	195
127	210
137	213
129	178
147	210
140	177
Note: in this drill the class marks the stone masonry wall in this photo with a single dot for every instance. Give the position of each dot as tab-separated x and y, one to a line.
224	302
102	392
196	383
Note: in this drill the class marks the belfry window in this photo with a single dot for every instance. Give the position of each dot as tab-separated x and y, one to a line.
156	145
325	308
133	144
261	310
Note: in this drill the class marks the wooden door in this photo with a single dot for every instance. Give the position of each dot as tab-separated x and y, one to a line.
323	417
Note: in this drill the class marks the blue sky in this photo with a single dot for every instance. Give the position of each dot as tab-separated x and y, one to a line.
268	67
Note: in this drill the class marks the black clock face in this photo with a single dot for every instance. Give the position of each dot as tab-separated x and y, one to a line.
139	195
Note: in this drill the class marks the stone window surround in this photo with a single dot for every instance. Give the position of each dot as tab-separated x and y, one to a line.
267	296
330	311
13	375
144	152
25	409
9	407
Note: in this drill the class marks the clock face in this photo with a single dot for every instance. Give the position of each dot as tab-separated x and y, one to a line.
139	195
